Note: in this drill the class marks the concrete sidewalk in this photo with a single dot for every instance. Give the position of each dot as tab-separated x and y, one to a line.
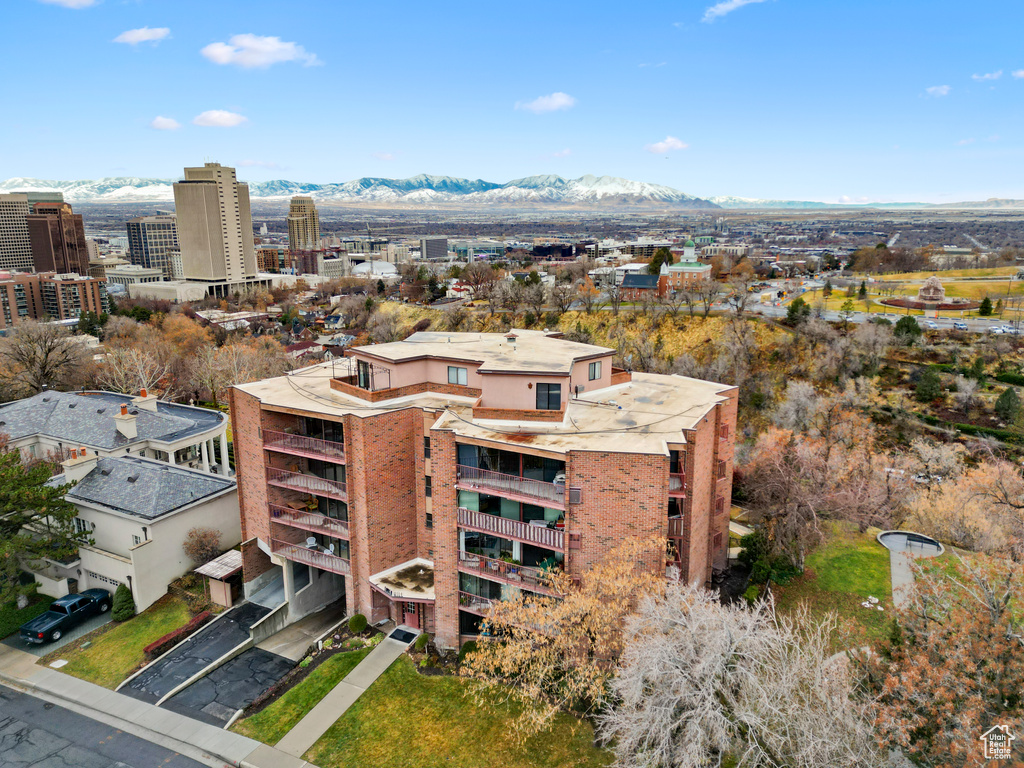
316	723
204	743
902	577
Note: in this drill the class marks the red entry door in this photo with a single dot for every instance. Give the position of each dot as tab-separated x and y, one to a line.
409	616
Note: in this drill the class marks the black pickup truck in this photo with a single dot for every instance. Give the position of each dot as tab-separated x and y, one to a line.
65	613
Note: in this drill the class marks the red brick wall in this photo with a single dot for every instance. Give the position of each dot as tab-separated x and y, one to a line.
252	483
412	389
516	414
254	561
446	538
625	495
700	481
726	416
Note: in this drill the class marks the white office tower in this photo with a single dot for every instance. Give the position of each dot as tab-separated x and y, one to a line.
15	251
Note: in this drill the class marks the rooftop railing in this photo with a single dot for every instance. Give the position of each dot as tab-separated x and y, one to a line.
299	481
300	445
309	520
536	532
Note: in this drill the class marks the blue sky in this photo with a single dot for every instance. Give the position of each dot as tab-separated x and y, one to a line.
795	99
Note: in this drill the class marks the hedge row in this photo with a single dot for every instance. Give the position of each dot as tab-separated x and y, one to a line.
1006	435
171	639
1010	378
11	617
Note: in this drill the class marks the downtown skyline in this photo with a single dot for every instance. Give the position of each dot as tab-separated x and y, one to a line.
777	99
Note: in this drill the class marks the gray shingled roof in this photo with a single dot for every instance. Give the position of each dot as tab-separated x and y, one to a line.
634	280
156	490
87	418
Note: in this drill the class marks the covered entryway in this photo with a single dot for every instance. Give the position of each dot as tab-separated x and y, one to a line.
404	593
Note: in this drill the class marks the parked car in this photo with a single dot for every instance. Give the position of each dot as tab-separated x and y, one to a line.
930	324
960	326
65	614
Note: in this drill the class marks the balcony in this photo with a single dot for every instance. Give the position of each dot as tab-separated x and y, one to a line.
523	576
474	604
514	487
316	558
675	528
539	535
311	521
299	445
297	481
676	484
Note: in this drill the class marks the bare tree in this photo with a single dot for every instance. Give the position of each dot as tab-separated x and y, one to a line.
615	299
384	327
454	318
511	294
562	296
705	291
36	356
742	295
129	369
966	393
700	680
589	295
535	297
798	407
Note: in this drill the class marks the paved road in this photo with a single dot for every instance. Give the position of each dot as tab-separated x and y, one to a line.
14	641
205	647
36	734
975	325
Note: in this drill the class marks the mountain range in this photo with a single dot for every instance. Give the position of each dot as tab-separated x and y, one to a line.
425	190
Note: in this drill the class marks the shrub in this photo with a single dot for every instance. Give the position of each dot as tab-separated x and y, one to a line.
907	330
1008	405
421	641
755	552
202	545
357	624
124	604
466	649
329	642
306	662
171	639
929	386
751	594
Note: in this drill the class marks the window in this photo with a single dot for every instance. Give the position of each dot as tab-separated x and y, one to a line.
717	541
136	540
549	397
429	486
723	432
426	447
82	526
430	520
457	375
721	470
719	505
595	371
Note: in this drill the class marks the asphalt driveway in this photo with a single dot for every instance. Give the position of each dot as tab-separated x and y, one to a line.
202	649
95	622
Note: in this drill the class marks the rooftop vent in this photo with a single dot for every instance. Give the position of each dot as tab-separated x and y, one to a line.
72	405
100	410
132	478
104	472
46	399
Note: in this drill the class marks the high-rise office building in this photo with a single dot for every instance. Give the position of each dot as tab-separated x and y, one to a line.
303	224
434	248
150	240
57	237
15	250
215	228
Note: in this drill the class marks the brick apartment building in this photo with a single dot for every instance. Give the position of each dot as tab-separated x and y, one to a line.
427	478
48	296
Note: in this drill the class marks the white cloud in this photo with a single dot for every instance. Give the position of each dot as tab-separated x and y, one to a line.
562	153
938	90
550	103
386	156
1018	73
258	164
988	76
143	35
648	64
219	118
70	3
726	6
257	52
964	142
670	144
165	124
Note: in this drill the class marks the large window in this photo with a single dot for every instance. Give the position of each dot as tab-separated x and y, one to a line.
549	397
323	430
595	371
457	375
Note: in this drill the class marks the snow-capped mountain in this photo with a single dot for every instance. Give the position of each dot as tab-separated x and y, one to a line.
418	190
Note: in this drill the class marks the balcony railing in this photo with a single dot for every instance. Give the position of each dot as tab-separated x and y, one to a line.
540	535
524	576
297	481
474	603
677	484
515	487
675	527
300	445
309	521
317	558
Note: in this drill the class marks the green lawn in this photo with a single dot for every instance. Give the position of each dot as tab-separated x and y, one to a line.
839	576
11	618
269	725
115	650
406	719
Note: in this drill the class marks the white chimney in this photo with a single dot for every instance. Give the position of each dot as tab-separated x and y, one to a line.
145	400
125	423
81	463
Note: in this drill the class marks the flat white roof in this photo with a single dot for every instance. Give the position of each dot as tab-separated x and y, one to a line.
411	580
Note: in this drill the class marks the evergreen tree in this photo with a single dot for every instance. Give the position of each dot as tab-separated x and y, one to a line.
985	310
124	604
799	310
862	294
35	521
929	386
907	330
661	256
1008	405
381	288
826	291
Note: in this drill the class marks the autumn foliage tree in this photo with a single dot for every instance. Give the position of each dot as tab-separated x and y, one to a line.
954	666
559	652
